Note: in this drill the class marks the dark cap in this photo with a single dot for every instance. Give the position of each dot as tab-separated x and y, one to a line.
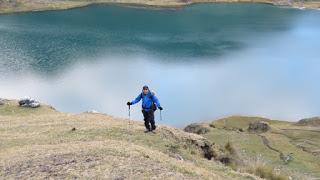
145	87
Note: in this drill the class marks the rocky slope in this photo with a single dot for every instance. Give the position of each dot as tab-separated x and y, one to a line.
8	6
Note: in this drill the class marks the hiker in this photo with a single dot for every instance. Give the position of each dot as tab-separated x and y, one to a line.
149	104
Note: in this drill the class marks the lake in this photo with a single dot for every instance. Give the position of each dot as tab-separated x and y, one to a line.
204	61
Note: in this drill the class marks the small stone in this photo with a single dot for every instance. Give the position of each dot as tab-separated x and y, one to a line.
176	156
179	157
93	112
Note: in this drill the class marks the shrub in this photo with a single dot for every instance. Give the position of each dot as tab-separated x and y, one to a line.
173	148
229	147
230	156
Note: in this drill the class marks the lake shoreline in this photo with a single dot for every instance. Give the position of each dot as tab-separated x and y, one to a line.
154	5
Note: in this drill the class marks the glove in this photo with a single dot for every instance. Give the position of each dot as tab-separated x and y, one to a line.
129	103
160	108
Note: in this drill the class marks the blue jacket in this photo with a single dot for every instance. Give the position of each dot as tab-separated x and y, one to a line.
147	100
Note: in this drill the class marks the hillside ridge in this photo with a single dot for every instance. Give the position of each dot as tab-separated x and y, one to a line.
10	6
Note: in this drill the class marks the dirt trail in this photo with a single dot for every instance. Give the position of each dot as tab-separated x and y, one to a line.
266	142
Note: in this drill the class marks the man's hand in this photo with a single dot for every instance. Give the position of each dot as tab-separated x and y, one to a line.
129	103
160	108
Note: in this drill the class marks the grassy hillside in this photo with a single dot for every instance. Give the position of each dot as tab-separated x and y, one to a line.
43	143
7	6
269	149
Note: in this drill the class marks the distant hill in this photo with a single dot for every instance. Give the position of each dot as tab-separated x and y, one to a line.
8	6
315	121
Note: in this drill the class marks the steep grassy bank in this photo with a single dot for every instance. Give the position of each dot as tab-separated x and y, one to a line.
9	6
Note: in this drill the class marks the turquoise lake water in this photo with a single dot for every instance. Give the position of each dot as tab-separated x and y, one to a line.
203	62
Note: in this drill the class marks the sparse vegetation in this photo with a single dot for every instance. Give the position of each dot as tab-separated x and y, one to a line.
174	148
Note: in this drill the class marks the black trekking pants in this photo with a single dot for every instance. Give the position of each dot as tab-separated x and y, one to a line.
149	119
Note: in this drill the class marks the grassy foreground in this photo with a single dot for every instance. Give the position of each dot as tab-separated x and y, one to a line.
10	6
43	143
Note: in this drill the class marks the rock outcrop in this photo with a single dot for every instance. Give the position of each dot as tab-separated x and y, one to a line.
258	127
198	128
28	102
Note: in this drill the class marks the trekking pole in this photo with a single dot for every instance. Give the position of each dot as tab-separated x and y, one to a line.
160	116
129	113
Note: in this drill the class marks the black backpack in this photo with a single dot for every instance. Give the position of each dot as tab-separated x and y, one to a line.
153	106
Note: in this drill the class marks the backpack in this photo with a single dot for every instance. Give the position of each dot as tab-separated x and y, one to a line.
153	106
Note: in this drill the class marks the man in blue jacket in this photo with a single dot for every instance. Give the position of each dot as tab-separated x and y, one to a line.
149	104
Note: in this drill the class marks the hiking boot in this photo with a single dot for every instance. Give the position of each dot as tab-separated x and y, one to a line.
152	132
154	128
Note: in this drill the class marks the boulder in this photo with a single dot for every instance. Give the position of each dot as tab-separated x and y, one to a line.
1	102
314	121
258	127
28	102
197	128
